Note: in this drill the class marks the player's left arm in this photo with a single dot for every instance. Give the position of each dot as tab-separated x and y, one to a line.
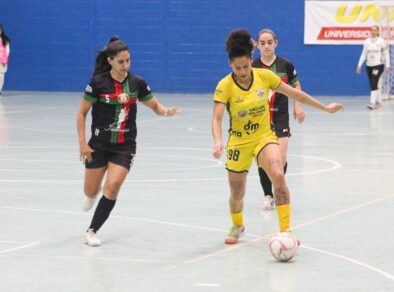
386	58
298	112
161	110
303	97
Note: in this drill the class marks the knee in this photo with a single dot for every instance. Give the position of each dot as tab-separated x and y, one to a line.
111	189
237	189
92	191
277	176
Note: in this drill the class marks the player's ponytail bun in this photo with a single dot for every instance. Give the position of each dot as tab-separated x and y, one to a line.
114	46
239	44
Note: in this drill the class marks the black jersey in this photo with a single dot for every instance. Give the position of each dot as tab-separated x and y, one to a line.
115	107
279	104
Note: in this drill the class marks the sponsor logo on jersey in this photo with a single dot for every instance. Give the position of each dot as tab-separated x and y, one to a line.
256	111
251	128
148	88
242	114
235	133
122	98
89	89
239	99
260	93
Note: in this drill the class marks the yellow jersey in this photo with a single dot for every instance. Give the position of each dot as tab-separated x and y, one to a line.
248	108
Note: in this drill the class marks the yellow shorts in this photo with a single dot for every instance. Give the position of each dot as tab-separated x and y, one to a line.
240	154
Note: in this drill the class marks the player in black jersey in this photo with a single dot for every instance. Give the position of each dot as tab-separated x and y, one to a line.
112	94
279	103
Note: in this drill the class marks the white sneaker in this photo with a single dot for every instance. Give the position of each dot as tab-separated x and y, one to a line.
88	203
91	238
371	106
234	234
268	203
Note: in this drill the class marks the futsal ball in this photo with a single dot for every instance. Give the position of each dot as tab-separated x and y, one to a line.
283	246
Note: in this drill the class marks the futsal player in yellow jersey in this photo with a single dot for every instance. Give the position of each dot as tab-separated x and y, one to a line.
244	93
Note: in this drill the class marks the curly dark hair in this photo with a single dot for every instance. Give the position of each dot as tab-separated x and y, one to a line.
239	44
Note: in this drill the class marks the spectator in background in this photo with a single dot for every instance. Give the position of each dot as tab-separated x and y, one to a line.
376	54
4	55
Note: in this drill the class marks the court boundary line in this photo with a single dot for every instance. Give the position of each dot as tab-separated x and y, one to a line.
257	237
27	245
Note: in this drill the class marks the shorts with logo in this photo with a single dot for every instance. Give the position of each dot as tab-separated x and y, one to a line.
282	130
240	153
119	154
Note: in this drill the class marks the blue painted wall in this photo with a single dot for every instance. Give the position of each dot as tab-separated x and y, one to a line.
176	45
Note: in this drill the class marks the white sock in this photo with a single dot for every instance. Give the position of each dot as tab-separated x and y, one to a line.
374	96
379	96
1	81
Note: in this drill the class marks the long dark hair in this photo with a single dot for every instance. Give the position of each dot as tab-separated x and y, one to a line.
4	38
239	44
114	46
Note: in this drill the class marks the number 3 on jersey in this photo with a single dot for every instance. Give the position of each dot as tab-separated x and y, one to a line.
233	155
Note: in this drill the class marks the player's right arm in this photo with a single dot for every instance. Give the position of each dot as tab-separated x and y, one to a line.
362	58
85	151
218	111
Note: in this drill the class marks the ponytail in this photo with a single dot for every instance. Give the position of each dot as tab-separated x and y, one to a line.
114	46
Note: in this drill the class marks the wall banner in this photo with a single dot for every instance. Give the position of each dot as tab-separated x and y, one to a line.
346	22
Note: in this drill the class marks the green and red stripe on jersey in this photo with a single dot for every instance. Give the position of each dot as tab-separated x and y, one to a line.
113	99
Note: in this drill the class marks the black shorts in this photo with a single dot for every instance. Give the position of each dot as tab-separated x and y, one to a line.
282	130
374	73
119	154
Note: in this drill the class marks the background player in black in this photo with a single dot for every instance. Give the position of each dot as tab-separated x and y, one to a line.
279	103
112	94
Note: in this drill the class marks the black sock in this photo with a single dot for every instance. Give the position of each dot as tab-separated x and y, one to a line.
102	212
265	183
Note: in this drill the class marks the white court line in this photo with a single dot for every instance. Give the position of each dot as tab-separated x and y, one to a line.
125	218
343	211
369	267
38	130
216	162
336	165
257	237
120	259
4	251
207	285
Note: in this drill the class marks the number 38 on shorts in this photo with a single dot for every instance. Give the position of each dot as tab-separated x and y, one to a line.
241	156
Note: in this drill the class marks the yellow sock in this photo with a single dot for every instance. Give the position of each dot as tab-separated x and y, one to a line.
284	217
238	218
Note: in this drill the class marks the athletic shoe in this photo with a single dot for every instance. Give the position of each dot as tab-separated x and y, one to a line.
371	106
268	203
88	203
234	234
91	238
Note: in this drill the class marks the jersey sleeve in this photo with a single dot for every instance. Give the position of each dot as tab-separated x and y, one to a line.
273	79
144	92
363	54
91	93
220	94
292	74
